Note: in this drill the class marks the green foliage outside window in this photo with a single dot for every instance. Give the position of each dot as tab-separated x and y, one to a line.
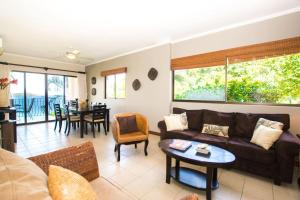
271	80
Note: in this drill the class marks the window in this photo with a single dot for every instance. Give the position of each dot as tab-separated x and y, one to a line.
207	83
115	86
267	73
272	80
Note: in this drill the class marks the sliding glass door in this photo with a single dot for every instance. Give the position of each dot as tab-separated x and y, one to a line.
55	93
17	92
35	95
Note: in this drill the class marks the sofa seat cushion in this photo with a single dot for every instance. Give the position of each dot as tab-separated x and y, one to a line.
242	148
21	179
184	135
212	139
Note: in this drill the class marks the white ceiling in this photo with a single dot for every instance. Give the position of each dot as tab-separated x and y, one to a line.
102	29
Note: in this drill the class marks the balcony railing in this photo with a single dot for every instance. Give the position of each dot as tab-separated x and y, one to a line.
35	107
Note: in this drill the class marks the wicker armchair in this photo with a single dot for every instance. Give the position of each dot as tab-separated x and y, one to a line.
80	159
131	138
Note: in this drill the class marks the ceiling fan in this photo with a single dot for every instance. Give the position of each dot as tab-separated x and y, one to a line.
74	55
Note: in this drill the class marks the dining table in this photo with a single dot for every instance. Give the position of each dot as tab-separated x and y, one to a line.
85	111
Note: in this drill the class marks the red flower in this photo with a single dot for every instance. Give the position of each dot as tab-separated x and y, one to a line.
15	81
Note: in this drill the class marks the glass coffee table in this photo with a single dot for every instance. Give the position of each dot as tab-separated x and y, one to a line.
208	181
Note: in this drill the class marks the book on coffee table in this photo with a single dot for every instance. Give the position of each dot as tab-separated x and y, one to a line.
180	145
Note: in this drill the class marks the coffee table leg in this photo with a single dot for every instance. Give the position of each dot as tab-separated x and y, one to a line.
177	167
209	172
168	169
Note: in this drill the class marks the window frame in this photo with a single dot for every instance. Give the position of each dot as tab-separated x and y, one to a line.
226	62
115	86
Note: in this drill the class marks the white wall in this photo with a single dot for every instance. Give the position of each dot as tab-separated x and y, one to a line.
153	98
26	60
274	29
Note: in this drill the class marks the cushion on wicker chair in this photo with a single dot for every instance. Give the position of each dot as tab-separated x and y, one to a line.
21	179
65	184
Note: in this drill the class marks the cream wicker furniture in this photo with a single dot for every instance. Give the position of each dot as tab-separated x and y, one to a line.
130	138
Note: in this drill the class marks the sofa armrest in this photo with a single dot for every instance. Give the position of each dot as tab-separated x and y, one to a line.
80	159
288	144
287	147
162	126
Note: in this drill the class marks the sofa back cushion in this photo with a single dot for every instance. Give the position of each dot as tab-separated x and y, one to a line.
194	117
219	118
245	122
21	179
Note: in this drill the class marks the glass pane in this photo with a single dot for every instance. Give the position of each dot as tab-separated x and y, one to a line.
35	97
17	95
55	93
206	84
270	80
71	88
110	86
120	85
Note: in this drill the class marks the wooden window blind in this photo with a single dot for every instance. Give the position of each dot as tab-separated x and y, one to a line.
114	71
239	54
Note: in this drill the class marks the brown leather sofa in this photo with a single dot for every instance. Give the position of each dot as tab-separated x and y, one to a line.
276	163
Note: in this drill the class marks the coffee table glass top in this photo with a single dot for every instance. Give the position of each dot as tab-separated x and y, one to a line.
217	154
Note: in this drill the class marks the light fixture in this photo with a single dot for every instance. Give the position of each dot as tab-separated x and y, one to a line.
70	55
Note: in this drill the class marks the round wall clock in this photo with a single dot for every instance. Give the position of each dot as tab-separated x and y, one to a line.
93	80
136	84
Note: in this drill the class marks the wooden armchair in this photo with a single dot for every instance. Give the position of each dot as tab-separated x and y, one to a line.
131	138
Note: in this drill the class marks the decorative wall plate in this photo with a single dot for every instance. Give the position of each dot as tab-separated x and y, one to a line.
152	74
93	80
136	84
94	91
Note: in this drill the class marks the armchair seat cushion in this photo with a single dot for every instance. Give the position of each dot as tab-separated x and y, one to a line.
132	137
242	148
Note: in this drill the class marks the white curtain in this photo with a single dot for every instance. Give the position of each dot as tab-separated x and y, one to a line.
4	94
82	87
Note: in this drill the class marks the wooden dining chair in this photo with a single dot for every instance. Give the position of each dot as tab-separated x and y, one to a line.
98	117
59	117
70	119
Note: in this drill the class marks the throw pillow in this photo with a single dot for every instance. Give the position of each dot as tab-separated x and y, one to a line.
173	122
265	136
20	178
183	119
215	130
127	124
65	184
269	123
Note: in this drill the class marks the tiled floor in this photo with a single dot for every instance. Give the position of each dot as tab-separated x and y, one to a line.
144	177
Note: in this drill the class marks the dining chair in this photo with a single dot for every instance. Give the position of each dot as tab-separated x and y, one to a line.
98	117
74	103
70	119
59	117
